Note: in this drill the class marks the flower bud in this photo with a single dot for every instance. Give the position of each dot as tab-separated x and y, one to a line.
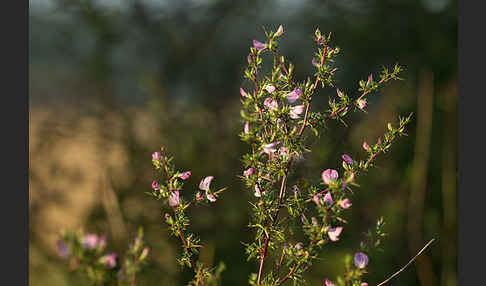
362	103
258	45
365	146
185	175
243	92
347	159
339	93
360	260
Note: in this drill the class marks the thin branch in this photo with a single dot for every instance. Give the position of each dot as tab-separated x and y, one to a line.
406	265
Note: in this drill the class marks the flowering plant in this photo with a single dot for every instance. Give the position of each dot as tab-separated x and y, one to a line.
276	114
86	252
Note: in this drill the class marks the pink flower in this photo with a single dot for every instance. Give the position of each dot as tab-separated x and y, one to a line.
320	40
314	62
345	203
328	198
90	241
294	95
155	186
334	233
258	46
360	260
204	184
156	157
296	111
339	93
329	176
347	159
270	88
185	175
210	197
370	79
270	147
174	199
328	282
248	172
243	92
109	260
362	103
365	145
364	284
279	31
257	193
270	103
246	129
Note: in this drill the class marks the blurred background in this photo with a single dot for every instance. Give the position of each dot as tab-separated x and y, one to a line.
111	81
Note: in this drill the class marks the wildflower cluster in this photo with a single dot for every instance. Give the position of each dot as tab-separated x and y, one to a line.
86	252
169	189
276	113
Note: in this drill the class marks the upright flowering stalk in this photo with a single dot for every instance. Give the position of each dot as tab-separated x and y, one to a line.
169	189
276	113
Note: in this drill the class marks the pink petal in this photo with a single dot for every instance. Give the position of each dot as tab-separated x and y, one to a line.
334	233
365	145
210	197
204	184
339	93
345	203
328	198
294	95
174	199
248	172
